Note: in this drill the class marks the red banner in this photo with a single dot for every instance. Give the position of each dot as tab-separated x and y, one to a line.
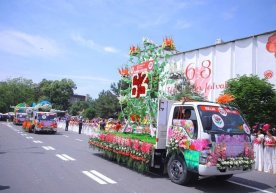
143	67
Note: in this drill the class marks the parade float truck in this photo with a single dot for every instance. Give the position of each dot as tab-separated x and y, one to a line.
41	119
44	122
20	113
213	141
19	118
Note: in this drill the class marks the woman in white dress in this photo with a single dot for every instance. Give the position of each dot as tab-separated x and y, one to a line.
269	150
258	150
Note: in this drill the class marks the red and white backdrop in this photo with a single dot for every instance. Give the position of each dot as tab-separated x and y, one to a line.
209	68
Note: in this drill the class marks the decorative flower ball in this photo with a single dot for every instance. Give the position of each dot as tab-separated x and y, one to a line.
266	127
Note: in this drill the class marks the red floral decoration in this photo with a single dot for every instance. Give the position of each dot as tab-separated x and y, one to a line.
168	44
226	98
268	74
271	44
123	72
134	50
135	117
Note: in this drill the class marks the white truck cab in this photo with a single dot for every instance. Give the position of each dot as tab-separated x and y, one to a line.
213	141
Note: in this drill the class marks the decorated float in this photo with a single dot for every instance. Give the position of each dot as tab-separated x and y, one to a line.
213	141
20	113
41	118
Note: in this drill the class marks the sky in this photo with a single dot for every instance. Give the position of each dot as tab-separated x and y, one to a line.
88	40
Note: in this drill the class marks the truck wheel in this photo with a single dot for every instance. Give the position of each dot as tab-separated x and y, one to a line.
177	170
224	177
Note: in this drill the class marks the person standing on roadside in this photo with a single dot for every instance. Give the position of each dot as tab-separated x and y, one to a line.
102	125
80	125
67	123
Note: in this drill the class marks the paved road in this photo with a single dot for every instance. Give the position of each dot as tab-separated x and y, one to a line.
42	163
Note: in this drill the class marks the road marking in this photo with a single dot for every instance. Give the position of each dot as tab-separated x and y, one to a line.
37	141
251	187
23	134
29	137
98	177
78	139
93	177
103	177
48	148
65	157
68	157
65	136
61	157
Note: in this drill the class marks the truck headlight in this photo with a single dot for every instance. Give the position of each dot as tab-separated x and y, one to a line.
203	157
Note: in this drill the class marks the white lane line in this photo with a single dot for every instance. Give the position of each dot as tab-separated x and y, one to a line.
29	137
68	157
65	157
48	147
37	141
65	135
78	139
93	177
23	134
103	177
251	187
61	157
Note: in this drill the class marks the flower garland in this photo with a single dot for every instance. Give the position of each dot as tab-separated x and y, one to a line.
133	152
219	159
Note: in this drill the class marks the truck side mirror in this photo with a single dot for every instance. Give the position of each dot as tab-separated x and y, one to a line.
207	123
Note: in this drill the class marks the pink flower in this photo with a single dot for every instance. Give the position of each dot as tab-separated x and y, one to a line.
170	132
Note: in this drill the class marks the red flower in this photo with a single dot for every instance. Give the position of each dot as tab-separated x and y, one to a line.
136	144
146	147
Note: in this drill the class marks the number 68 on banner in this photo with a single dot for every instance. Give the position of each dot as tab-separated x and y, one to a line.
139	85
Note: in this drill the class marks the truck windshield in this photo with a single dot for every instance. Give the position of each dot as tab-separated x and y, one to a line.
46	117
223	120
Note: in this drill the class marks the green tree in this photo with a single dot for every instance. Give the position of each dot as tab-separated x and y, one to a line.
14	91
57	92
89	113
255	97
107	105
78	108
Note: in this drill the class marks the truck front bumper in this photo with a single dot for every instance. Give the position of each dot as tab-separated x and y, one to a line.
47	129
203	170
